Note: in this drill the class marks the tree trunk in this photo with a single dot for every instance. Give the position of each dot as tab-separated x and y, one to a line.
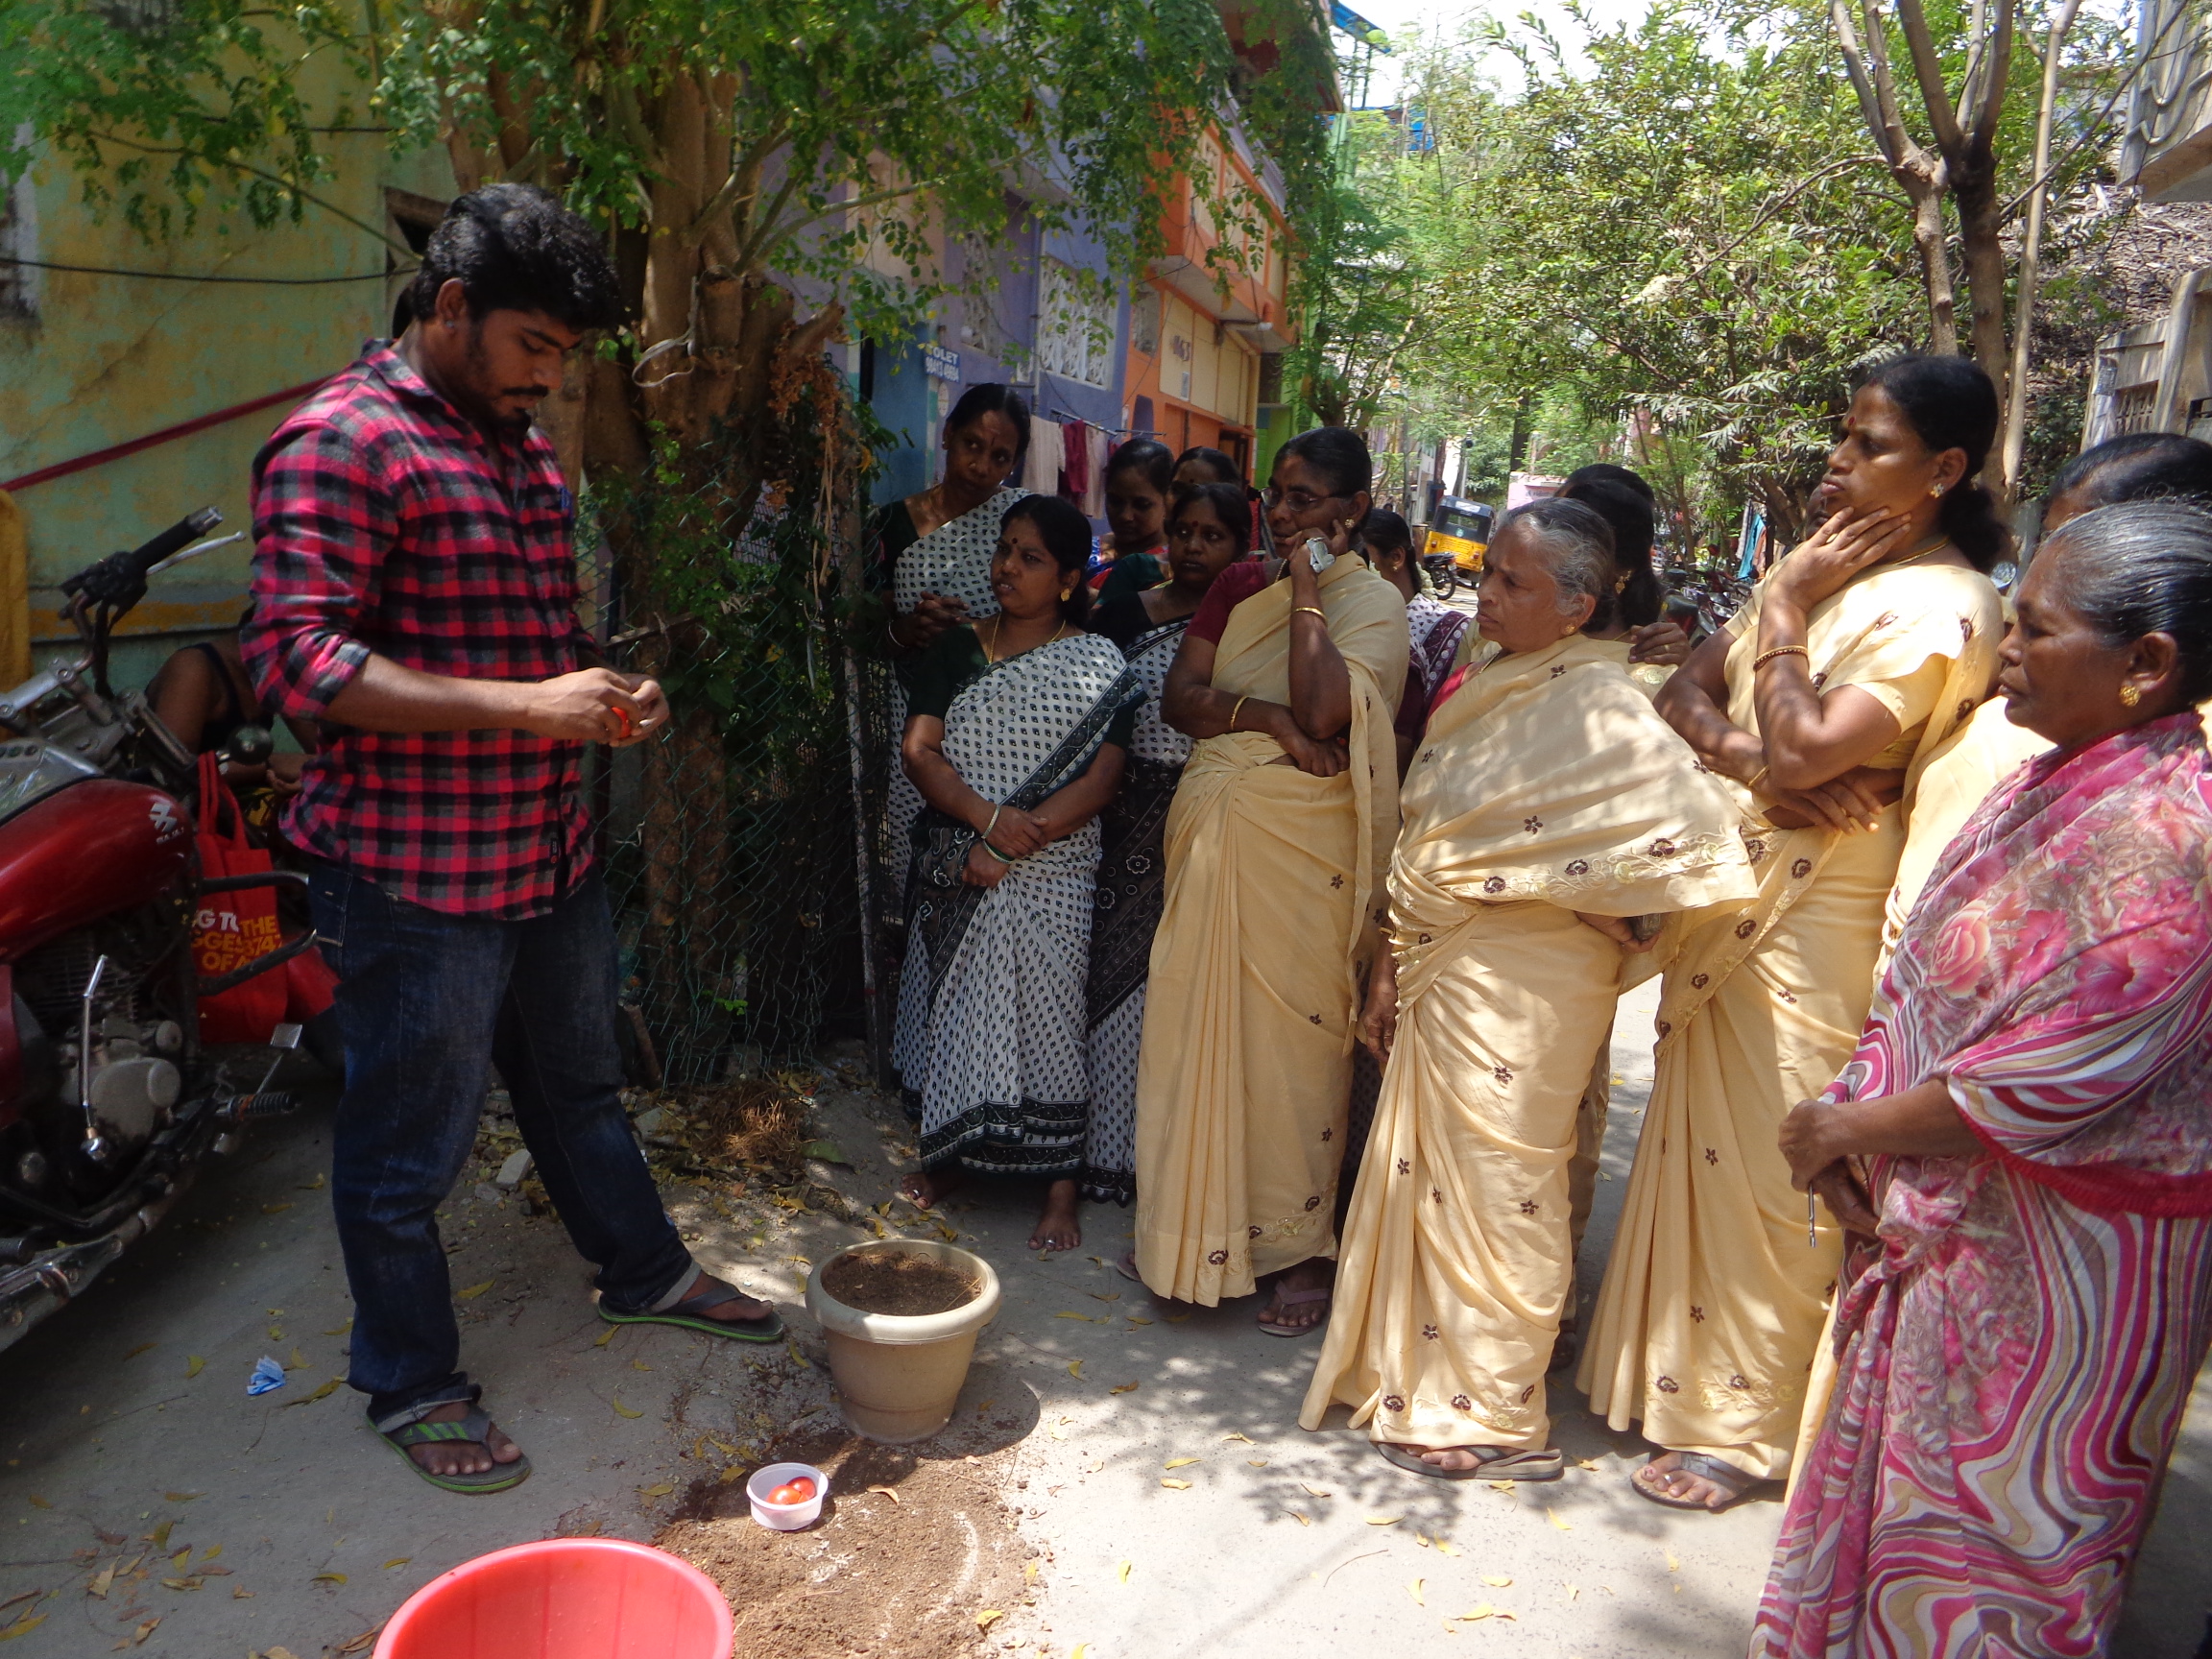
1931	238
1981	232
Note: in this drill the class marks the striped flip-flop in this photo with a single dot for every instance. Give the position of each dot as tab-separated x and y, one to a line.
474	1429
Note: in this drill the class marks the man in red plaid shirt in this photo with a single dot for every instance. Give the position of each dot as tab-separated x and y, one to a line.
415	591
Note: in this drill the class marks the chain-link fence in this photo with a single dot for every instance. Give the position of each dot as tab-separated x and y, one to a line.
756	915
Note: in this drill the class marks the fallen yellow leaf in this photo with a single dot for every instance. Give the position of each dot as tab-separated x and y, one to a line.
1080	1650
159	1536
1134	1320
1444	1547
1239	1434
1176	1485
887	1492
239	1593
1314	1491
1122	1574
1106	1296
661	1490
329	1387
105	1576
989	1616
1123	1388
278	1653
1300	1519
1481	1610
1057	1432
212	1550
639	1365
1385	1520
1552	1516
139	1635
141	1349
1673	1564
1414	1589
24	1625
193	1365
1075	1369
1256	1462
624	1411
398	1561
606	1336
276	1209
298	1364
1085	1318
1181	1462
315	1186
1496	1582
1175	1318
473	1291
1587	1463
799	1359
329	1579
39	1502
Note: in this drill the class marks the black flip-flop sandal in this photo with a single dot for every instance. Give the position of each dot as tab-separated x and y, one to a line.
689	1315
1726	1476
475	1428
1507	1465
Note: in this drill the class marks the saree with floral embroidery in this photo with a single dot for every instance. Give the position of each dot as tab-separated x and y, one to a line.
1244	1073
1713	1299
2016	1348
1546	785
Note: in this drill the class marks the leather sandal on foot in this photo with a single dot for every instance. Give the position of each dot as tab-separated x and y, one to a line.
473	1428
1726	1476
1493	1463
1126	1267
1293	1298
690	1314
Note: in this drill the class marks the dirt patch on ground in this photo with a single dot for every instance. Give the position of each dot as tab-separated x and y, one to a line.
899	1282
891	1578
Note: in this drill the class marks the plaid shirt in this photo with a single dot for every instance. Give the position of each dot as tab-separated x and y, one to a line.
385	523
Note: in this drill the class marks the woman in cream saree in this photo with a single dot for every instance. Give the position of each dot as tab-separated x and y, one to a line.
1548	803
1274	872
1852	662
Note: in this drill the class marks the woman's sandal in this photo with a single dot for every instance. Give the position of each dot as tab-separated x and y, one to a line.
1726	1476
473	1428
1507	1463
1294	1299
691	1315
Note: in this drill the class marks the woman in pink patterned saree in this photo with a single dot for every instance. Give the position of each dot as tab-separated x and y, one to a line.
2023	1143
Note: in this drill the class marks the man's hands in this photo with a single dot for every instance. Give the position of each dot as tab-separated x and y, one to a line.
594	706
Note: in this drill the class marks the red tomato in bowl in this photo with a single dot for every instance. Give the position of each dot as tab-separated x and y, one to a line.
794	1491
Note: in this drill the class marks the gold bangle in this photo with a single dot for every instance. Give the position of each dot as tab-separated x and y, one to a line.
1311	611
1239	709
1766	656
1752	783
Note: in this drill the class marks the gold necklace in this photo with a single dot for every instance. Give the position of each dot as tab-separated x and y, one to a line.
997	622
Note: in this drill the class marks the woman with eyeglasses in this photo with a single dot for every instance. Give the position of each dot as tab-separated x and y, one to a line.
1288	677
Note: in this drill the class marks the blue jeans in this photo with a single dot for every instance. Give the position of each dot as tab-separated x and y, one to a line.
429	1004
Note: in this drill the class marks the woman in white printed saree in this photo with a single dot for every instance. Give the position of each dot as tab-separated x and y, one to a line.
1016	740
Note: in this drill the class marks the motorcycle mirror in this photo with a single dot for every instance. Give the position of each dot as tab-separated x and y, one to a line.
285	1036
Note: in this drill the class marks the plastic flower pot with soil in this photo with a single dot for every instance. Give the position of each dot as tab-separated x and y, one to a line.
901	1316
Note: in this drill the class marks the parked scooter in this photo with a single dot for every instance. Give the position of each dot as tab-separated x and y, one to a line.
107	1103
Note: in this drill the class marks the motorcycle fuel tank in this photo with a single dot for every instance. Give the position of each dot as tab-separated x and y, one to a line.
82	852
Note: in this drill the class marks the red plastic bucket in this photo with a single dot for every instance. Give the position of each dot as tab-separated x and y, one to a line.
563	1598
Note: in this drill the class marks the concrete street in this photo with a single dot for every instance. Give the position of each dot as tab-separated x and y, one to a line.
239	1525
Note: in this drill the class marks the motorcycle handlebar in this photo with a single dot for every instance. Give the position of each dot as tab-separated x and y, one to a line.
120	578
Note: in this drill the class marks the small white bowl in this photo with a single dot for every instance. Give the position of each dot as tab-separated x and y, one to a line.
785	1517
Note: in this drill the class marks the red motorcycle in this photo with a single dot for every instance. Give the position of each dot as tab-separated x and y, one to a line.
108	1100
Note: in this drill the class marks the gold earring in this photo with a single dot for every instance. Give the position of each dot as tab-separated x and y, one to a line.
1065	593
1934	490
2130	696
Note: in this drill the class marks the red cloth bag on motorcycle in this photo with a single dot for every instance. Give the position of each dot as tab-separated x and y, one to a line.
233	928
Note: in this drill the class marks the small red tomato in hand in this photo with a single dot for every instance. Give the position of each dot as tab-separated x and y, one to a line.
797	1491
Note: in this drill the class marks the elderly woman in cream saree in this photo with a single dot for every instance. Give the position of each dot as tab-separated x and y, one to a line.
1546	803
1275	846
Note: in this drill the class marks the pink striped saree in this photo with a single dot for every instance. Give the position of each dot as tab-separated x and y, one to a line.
2015	1349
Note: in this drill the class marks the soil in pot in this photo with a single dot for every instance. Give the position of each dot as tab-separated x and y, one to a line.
898	1283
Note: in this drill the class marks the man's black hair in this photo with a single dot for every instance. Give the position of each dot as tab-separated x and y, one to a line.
514	248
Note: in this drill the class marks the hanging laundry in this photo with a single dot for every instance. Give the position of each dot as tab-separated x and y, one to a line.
1041	468
1075	460
1100	446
